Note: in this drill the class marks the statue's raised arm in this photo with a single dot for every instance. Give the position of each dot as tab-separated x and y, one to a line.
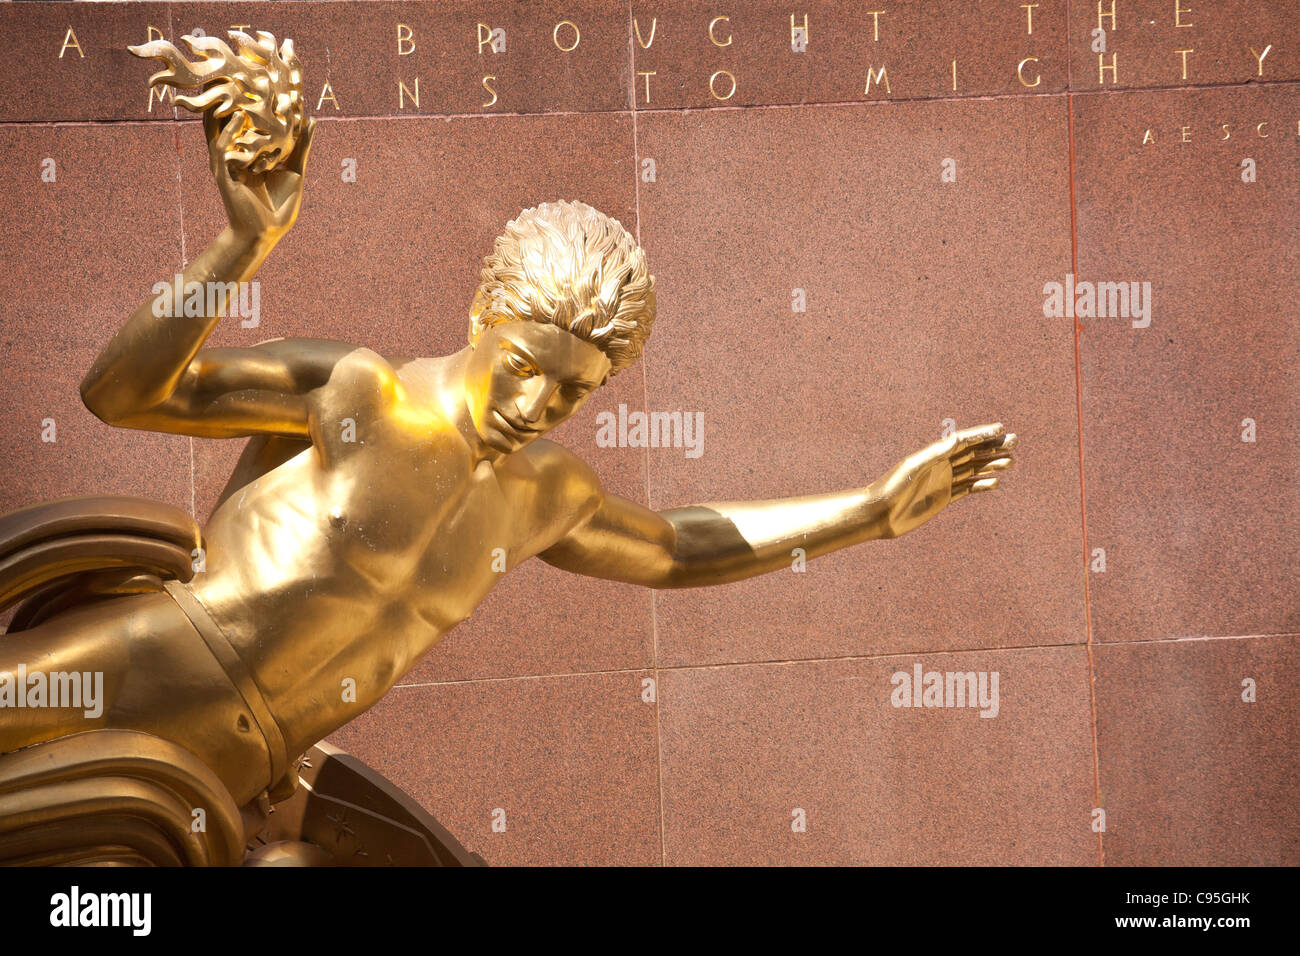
152	374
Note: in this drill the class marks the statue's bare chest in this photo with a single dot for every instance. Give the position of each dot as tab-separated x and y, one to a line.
413	503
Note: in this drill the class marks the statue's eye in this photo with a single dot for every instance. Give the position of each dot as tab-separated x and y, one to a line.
518	365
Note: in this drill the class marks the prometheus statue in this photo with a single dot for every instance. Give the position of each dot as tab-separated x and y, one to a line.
365	516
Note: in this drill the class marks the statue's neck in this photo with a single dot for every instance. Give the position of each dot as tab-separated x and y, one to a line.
446	376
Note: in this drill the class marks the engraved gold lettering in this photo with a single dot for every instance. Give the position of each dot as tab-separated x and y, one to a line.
880	76
1102	14
794	31
70	42
403	93
1020	71
164	93
636	26
577	35
714	91
327	93
1103	66
1029	16
714	22
1259	58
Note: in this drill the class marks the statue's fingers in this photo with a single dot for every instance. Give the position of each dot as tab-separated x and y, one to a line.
981	468
962	469
223	149
971	438
297	161
219	131
212	131
226	141
998	464
972	484
986	451
975	482
983	460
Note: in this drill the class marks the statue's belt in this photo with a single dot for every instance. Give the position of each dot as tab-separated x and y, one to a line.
238	673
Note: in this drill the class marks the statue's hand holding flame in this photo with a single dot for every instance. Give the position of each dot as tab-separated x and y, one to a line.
258	136
923	484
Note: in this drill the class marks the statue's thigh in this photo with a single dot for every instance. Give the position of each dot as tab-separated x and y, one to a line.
149	671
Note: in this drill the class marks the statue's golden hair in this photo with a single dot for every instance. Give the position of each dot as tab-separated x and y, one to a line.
572	266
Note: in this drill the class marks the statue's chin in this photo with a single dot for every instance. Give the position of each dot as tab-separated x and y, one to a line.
498	441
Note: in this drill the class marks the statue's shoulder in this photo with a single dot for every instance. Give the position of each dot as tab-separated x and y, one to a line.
358	374
562	488
359	360
562	474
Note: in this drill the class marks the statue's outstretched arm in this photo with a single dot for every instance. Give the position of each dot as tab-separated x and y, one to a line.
720	542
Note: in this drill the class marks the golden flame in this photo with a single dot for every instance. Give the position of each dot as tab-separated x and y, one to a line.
259	89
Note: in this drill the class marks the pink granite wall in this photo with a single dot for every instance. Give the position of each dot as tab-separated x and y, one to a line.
1131	581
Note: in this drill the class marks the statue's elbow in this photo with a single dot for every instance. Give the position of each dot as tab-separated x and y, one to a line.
668	575
668	581
91	399
696	573
99	401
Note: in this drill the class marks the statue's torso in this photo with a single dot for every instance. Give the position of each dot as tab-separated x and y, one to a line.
350	560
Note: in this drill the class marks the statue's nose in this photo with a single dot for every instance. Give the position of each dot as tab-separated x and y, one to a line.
533	406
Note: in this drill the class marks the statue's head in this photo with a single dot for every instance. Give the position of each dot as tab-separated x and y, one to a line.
565	302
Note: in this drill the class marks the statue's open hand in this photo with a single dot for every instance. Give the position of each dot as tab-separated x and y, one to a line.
261	206
923	484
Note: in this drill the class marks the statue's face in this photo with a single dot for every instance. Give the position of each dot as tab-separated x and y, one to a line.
524	378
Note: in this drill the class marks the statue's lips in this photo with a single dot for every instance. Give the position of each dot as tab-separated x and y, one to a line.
521	431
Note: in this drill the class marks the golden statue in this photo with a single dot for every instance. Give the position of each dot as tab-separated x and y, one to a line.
365	519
